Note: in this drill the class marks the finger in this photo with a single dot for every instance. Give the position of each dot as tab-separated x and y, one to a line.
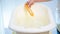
31	3
28	1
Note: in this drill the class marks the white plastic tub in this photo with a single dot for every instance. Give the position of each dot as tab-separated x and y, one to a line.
17	28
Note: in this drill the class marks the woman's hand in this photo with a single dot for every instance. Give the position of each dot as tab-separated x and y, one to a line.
31	2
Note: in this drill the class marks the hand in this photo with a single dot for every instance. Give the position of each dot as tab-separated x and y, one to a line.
31	2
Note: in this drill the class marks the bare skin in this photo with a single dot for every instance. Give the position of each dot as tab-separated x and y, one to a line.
31	2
